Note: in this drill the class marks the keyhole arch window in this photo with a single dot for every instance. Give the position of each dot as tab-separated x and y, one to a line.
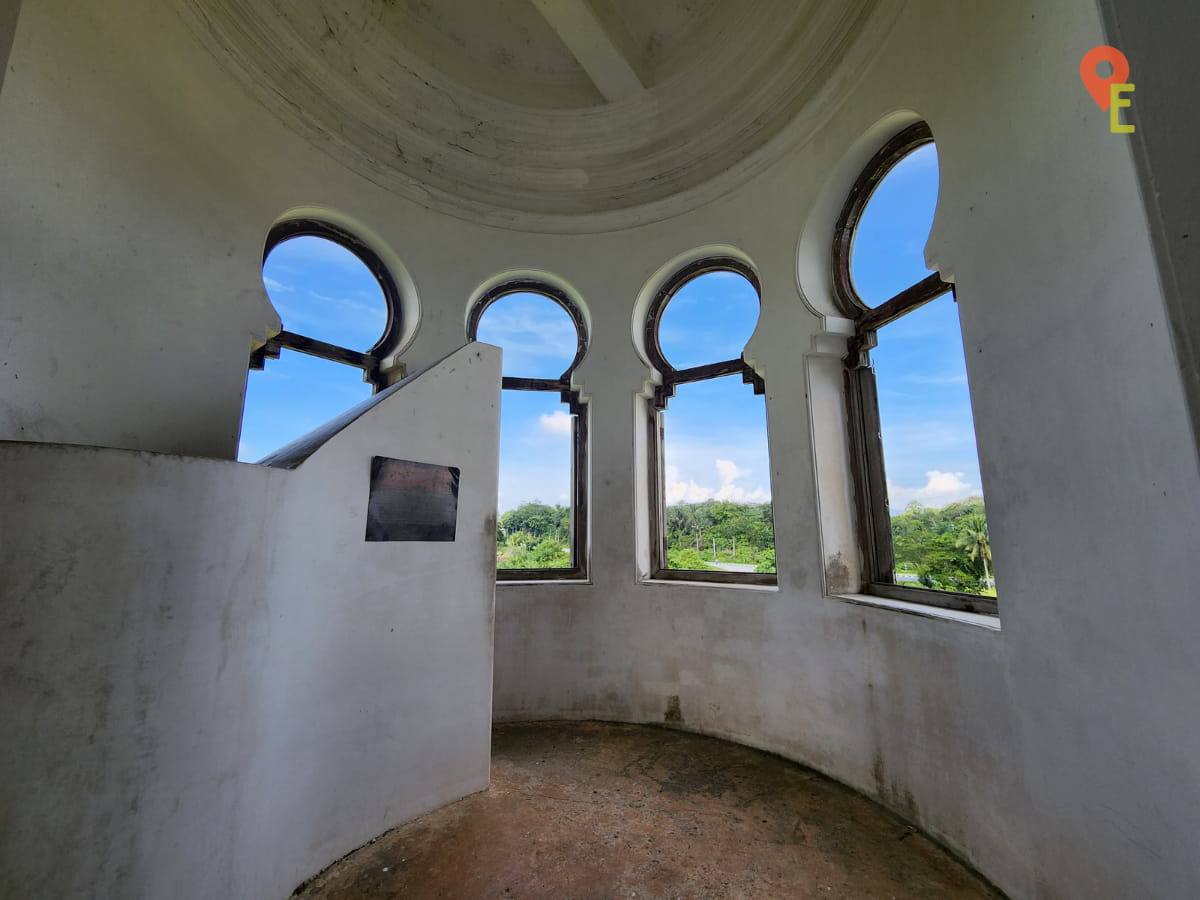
923	525
542	528
341	311
711	517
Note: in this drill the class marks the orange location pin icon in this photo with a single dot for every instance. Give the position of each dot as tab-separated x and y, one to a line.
1097	86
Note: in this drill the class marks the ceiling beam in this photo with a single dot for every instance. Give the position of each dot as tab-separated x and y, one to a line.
577	26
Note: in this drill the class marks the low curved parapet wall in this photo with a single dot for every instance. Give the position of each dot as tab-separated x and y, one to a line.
213	686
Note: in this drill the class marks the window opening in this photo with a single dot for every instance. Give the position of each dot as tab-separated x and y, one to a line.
711	513
340	311
542	496
920	496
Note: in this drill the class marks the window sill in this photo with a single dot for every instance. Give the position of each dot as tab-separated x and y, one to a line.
566	579
979	620
534	576
732	585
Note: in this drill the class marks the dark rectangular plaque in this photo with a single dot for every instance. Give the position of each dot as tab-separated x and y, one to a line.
411	501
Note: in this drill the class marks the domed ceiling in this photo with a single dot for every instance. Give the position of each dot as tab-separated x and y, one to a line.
547	115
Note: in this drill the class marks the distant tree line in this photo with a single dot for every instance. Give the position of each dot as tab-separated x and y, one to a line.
538	536
720	531
945	549
534	536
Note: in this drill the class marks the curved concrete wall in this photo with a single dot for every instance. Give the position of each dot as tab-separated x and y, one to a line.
1056	753
213	686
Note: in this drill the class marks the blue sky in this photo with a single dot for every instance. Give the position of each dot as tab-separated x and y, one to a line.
709	320
323	291
924	405
715	436
715	431
539	341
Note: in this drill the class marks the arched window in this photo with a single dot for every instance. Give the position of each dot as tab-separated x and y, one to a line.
710	475
919	491
541	533
341	316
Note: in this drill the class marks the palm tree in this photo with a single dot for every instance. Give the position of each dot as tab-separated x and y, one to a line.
973	537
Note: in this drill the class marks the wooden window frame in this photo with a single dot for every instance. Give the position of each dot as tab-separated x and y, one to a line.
671	378
866	441
370	360
578	570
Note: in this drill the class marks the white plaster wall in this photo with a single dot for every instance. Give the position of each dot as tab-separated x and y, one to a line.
1165	71
379	662
1057	755
9	10
130	262
213	686
134	608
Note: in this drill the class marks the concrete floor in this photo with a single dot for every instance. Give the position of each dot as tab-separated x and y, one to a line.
591	810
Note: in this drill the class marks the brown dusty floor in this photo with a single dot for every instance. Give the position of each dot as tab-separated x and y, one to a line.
590	810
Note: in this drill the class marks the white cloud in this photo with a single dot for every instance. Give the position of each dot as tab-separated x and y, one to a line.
323	312
939	489
537	335
741	495
557	422
912	441
687	492
526	484
728	472
273	285
372	312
